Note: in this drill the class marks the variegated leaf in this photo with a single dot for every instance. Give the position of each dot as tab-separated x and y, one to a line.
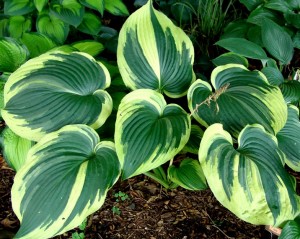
56	89
65	179
289	139
241	97
148	131
249	180
155	54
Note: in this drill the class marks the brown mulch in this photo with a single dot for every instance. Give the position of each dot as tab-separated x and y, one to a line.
149	212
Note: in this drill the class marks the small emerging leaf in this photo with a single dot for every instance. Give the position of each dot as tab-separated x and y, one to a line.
188	175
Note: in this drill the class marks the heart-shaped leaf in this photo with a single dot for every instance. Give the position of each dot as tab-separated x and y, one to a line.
155	54
188	175
241	97
289	140
148	131
13	54
65	179
69	11
52	27
251	180
18	25
56	89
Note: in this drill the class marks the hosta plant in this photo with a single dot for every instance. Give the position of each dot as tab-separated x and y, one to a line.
45	24
61	105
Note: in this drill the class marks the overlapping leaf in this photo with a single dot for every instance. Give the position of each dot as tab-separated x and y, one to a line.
291	91
289	139
91	24
94	4
52	27
18	25
69	11
155	54
18	7
192	146
54	90
89	46
116	7
148	131
291	230
188	175
241	97
66	178
251	180
37	43
15	148
277	42
13	54
243	47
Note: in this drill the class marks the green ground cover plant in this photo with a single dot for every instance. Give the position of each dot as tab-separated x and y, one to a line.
76	123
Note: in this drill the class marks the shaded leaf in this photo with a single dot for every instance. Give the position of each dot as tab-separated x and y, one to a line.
277	42
91	24
18	7
37	43
243	47
13	54
51	26
15	148
94	4
188	175
69	11
289	140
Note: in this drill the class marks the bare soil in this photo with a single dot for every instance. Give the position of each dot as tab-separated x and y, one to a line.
149	212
